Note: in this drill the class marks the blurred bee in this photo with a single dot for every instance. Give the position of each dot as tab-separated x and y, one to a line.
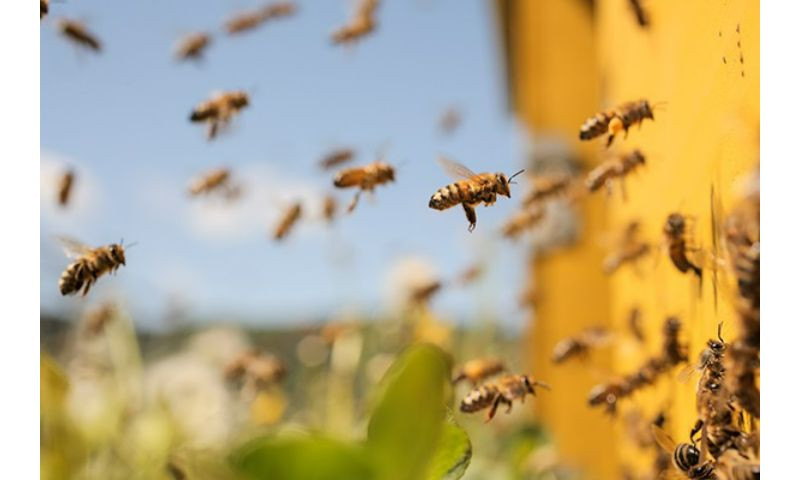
44	7
522	221
732	465
505	390
257	369
214	180
675	233
65	187
635	323
329	208
615	120
470	275
478	370
685	457
450	120
473	189
629	249
278	9
641	15
365	178
77	33
244	21
192	46
219	110
672	350
96	319
290	217
581	344
336	158
616	168
546	187
360	25
89	265
607	395
423	293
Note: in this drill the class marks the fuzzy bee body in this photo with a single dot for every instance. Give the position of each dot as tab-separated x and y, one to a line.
612	169
360	25
81	274
192	46
365	178
522	221
65	187
479	398
78	34
209	182
580	344
615	120
219	110
477	370
505	390
336	158
290	217
675	232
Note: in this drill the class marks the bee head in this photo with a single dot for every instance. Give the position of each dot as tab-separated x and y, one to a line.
647	111
675	225
118	253
637	156
239	99
528	384
503	183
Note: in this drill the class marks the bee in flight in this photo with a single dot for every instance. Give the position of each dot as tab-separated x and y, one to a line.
630	249
546	187
686	457
579	345
44	7
616	168
523	221
472	189
478	370
65	187
365	178
450	120
329	208
616	120
192	46
360	25
77	33
89	265
336	157
287	221
249	20
219	110
216	180
675	233
505	390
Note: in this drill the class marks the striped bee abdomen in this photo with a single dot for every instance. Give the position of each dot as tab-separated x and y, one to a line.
449	196
72	279
479	398
595	126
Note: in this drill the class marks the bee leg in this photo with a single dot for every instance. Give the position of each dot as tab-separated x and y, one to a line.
510	405
493	410
471	217
353	202
610	140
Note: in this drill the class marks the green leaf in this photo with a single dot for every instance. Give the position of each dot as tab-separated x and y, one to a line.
408	417
301	458
452	455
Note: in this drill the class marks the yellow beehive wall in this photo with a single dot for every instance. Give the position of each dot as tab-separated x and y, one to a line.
567	61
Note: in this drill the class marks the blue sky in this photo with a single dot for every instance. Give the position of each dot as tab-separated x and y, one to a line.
120	119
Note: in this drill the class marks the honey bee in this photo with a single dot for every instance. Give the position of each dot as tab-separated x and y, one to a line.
365	178
477	370
506	390
336	158
192	46
641	15
470	275
522	221
579	345
546	187
65	187
214	180
423	293
219	110
615	120
44	7
258	369
630	249
279	9
89	265
616	168
686	457
360	25
675	233
710	359
473	189
249	20
329	208
77	33
732	465
287	221
450	120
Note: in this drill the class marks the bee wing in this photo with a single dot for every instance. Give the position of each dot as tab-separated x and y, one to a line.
597	336
454	169
686	372
72	247
663	439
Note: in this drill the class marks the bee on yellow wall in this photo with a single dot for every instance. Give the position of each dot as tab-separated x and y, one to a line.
675	231
615	120
629	249
580	345
616	168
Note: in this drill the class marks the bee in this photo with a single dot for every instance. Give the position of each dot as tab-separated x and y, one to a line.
192	46
244	21
258	369
360	25
709	360
329	208
686	457
744	361
469	275
616	168
630	249
635	324
473	189
641	15
365	178
336	158
287	221
675	233
89	265
423	293
522	221
219	110
579	345
450	120
77	33
214	180
546	187
606	394
44	7
65	187
505	390
615	120
477	370
278	9
731	465
672	350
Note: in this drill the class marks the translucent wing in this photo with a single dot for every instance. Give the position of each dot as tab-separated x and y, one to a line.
72	247
663	439
686	372
454	169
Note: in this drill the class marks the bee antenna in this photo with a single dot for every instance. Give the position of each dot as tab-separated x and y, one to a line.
719	332
512	176
133	244
659	105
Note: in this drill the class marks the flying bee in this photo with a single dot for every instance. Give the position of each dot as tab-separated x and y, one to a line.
360	25
641	15
505	390
686	457
470	275
630	249
329	208
219	110
77	33
278	9
546	187
615	120
477	370
365	178
336	158
212	181
44	7
244	21
450	120
422	294
65	187
606	394
256	368
89	265
616	168
472	190
581	344
675	233
523	221
192	46
287	221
